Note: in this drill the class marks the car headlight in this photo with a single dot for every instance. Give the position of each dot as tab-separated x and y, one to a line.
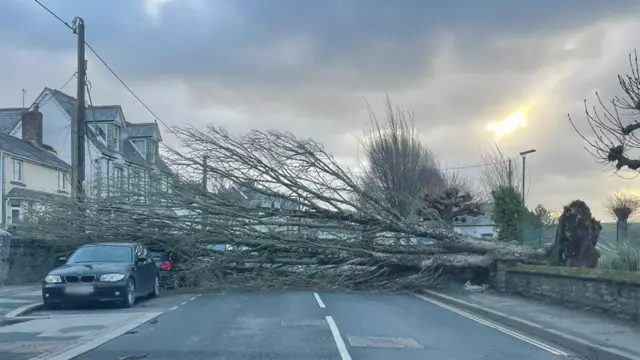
111	277
52	279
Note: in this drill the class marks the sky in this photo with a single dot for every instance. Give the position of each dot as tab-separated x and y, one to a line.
311	67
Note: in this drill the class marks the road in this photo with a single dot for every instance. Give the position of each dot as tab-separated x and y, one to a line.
305	325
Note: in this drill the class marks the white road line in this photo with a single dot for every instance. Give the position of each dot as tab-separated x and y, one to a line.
193	298
342	348
320	303
173	308
182	303
496	327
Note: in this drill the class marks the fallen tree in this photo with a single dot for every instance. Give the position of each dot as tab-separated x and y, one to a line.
288	214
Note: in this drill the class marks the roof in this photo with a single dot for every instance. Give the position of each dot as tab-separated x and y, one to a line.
23	193
142	130
29	151
9	118
106	113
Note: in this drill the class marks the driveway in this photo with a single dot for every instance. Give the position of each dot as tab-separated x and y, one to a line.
305	325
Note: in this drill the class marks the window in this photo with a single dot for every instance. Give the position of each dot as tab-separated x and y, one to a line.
116	137
101	130
16	210
102	253
117	178
62	181
141	146
151	151
17	170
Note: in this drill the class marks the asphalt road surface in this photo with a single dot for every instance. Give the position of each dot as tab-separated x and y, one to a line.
305	325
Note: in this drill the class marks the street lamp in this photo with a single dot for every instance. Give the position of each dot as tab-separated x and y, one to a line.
524	169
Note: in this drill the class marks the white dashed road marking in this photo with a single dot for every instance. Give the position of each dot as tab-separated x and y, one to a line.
496	327
320	303
342	348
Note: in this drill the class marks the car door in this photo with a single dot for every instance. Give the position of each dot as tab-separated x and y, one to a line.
140	272
150	268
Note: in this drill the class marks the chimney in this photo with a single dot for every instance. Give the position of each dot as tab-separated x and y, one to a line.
32	125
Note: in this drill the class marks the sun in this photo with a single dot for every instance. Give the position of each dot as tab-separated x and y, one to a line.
509	124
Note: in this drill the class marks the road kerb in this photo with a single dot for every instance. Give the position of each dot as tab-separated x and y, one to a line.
581	346
23	309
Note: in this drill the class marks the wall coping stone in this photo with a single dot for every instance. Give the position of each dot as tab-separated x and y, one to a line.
626	277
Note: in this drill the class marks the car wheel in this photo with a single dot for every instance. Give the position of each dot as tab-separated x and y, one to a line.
130	294
156	288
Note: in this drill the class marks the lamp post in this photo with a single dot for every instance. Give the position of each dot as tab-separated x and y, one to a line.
524	170
524	207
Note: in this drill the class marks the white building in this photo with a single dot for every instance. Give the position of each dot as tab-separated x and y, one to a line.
119	154
30	172
479	227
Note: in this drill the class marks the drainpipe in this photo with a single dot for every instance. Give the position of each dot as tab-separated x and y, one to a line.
4	206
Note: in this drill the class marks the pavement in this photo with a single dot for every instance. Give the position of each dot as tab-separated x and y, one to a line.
596	335
306	326
14	297
62	334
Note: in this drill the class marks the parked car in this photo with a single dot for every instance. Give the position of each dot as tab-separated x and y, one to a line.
120	272
166	263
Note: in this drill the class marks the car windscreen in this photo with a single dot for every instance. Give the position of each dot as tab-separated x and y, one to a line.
106	253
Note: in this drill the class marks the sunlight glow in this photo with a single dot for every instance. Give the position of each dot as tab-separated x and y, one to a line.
509	124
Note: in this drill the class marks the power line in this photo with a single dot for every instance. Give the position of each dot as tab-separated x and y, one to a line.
95	53
473	166
54	15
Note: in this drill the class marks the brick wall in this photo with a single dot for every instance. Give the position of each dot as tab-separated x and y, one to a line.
613	292
24	260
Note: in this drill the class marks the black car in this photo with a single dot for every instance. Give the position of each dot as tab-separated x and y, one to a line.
118	272
167	264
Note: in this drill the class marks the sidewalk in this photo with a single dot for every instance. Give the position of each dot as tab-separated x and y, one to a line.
594	335
13	297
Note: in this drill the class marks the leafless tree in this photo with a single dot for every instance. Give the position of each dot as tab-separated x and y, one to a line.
623	206
400	168
498	171
455	200
613	127
313	242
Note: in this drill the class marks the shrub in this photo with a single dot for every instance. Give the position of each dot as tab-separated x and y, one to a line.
625	257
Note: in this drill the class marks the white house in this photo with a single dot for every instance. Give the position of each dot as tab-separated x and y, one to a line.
119	154
480	226
30	171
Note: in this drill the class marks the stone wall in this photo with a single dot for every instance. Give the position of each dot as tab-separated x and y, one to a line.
613	292
24	260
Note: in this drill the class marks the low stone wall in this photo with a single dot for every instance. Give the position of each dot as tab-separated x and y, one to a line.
613	292
24	260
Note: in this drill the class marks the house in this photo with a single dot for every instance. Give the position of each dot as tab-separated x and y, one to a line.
480	226
31	173
119	155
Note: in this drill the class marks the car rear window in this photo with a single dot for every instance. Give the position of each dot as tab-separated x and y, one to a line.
102	253
159	255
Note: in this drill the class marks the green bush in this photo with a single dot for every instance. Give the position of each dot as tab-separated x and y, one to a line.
625	257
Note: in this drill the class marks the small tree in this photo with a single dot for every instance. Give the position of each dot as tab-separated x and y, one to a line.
455	200
622	206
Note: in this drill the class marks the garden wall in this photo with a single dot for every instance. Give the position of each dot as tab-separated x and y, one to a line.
24	260
613	292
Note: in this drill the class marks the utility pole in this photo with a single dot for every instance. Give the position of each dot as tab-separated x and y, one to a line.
79	124
24	92
510	174
205	172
